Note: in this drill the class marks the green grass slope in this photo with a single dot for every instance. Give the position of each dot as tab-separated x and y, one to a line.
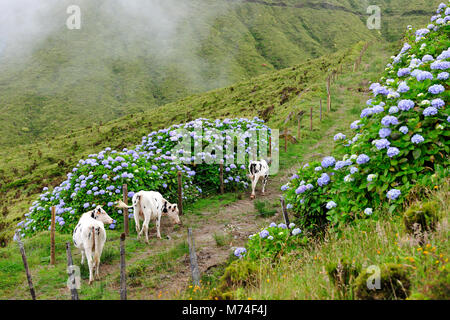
116	65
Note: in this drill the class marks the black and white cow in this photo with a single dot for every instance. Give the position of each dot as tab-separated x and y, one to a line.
89	236
258	169
150	205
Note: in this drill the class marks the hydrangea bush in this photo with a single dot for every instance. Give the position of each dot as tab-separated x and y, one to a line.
402	135
270	241
151	165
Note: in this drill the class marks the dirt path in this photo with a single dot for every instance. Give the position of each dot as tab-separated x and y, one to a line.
238	220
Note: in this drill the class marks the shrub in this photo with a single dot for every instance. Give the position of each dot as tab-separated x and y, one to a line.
394	284
151	165
402	136
342	274
425	215
273	241
240	273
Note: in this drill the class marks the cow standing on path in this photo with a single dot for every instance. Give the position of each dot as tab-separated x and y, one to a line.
89	236
258	169
150	205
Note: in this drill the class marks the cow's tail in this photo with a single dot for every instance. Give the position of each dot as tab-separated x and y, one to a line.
122	205
95	245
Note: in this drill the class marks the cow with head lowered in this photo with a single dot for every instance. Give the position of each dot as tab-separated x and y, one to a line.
148	206
89	236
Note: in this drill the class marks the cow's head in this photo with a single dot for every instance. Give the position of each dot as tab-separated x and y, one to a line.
171	210
99	214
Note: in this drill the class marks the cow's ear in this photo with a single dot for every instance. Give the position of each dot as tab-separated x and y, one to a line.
99	210
164	207
93	214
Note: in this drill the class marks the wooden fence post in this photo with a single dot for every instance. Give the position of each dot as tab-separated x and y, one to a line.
52	237
180	194
270	146
311	118
25	264
285	139
125	211
70	272
285	214
123	274
221	177
328	94
320	110
193	259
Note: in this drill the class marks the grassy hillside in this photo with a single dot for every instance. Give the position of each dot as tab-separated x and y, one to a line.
116	64
26	169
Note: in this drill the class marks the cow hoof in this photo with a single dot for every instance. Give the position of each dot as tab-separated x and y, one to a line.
252	197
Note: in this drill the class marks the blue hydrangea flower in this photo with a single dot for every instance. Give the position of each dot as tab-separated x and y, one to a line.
405	105
443	76
402	87
339	136
436	89
406	47
424	75
437	103
362	158
353	170
263	234
440	65
300	189
430	111
392	152
427	58
393	109
328	162
317	169
393	194
368	211
323	180
404	72
403	129
240	252
296	231
355	125
417	138
381	144
282	226
273	224
330	205
384	132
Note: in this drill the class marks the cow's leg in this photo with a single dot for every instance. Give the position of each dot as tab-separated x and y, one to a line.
145	226
254	182
158	225
90	264
138	227
97	263
264	183
82	255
